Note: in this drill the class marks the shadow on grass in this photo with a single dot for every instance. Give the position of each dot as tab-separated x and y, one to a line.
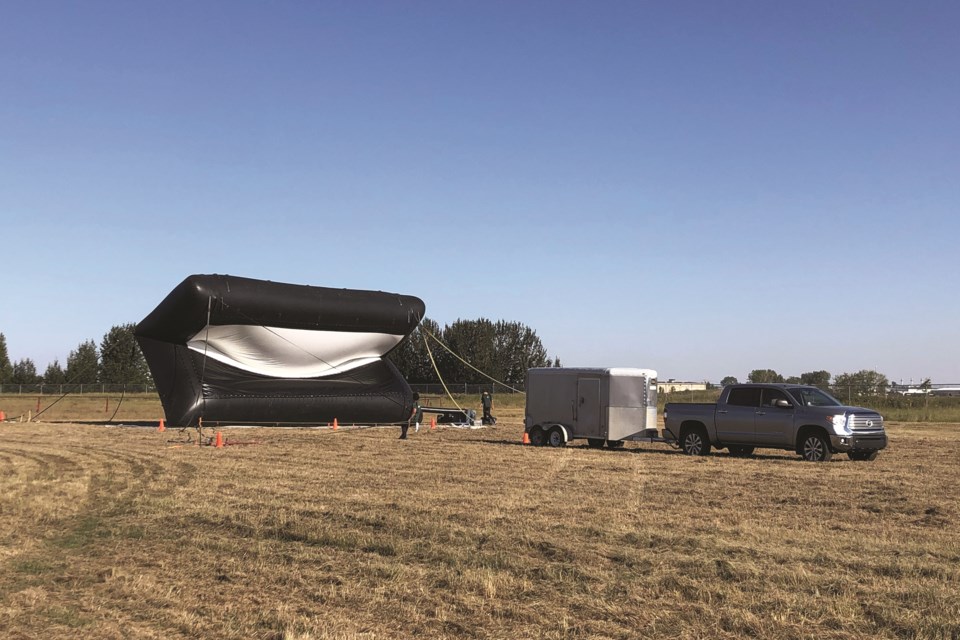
793	458
577	446
104	423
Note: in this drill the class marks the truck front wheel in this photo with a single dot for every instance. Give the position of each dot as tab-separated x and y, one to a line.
694	442
815	448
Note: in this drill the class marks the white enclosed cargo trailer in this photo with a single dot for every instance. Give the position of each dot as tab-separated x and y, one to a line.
602	405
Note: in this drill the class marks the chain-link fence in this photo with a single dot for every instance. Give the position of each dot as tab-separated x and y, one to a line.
846	393
461	388
65	389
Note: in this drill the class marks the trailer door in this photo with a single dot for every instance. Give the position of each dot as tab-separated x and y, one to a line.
588	408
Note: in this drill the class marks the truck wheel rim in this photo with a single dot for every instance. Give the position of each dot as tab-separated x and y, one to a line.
693	443
813	448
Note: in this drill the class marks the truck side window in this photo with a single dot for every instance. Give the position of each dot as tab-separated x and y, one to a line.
744	397
770	397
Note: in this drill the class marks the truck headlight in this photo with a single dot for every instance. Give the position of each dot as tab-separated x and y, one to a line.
840	423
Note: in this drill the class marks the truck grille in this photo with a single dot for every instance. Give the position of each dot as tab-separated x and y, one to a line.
866	422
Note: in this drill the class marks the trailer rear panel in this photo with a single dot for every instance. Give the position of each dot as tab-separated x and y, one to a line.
599	404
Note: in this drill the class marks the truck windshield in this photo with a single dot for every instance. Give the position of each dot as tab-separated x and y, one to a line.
812	397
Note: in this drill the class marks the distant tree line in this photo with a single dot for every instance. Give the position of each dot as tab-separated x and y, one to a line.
502	350
848	385
118	360
475	349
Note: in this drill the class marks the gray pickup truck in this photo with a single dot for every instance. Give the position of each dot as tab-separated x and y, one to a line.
776	416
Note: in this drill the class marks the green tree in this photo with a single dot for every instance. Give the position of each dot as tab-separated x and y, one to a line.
83	365
792	380
121	361
473	341
861	384
516	348
502	350
6	368
411	357
54	374
764	375
819	379
729	380
25	372
556	362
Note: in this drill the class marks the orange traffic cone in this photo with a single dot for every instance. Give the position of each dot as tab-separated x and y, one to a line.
335	425
433	422
526	438
219	444
3	416
160	427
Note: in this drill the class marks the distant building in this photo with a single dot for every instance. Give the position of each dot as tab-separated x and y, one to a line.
669	386
909	391
940	390
945	391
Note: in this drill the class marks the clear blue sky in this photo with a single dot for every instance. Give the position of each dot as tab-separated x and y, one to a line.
703	188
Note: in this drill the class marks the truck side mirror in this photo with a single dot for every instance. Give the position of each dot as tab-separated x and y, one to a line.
783	404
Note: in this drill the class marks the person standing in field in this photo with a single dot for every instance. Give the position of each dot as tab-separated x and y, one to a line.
416	415
486	401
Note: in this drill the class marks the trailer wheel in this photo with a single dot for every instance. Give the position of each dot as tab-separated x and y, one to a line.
537	437
694	442
595	443
555	437
615	444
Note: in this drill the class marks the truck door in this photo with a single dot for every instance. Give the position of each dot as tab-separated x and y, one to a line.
735	418
774	425
588	408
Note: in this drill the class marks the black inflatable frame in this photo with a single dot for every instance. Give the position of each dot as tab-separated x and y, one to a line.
194	386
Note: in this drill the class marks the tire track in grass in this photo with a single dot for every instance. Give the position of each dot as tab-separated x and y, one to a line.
100	482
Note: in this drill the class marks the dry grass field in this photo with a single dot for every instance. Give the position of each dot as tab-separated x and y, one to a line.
308	534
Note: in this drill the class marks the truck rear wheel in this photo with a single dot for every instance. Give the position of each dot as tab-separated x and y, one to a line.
555	437
815	448
694	442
